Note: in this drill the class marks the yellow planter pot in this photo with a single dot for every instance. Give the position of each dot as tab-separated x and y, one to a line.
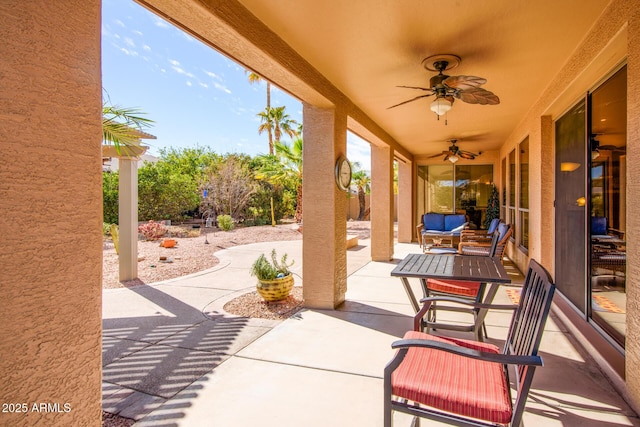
276	289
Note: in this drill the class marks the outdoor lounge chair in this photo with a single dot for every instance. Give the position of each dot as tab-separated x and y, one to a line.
484	248
466	383
469	235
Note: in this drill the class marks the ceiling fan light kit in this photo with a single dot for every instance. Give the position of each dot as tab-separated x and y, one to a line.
440	106
453	158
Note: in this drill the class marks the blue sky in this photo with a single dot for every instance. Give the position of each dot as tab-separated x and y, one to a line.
196	96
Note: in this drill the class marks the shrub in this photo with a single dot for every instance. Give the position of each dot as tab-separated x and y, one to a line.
225	222
265	270
106	229
152	230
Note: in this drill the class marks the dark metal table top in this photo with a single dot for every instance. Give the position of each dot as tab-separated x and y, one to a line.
456	267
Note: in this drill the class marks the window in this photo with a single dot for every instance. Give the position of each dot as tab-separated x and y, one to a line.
512	192
455	188
523	209
503	203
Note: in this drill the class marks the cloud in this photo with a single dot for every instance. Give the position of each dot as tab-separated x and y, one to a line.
221	87
204	85
158	22
138	32
212	75
120	23
129	52
147	47
129	42
189	83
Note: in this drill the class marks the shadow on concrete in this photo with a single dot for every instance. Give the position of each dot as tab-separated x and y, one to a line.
148	360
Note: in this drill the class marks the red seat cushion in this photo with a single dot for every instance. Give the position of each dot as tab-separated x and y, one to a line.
456	287
453	383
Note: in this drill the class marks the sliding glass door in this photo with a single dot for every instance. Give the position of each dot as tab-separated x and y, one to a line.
590	214
570	274
455	188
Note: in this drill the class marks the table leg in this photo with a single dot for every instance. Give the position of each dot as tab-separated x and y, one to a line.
410	294
482	312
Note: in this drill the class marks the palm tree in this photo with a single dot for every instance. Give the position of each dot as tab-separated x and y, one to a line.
282	122
119	125
291	158
276	121
363	183
290	170
256	78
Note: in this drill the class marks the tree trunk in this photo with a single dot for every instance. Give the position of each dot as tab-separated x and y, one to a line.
271	151
361	203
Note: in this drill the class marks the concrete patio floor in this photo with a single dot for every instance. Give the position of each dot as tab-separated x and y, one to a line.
173	357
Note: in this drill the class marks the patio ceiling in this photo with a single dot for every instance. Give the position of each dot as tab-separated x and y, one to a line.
367	48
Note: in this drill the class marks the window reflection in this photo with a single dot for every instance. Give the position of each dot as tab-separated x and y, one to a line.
608	205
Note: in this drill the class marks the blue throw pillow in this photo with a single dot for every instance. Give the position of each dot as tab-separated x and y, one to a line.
456	231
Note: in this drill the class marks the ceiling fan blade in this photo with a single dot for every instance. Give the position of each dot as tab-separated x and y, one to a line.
477	95
438	155
612	148
471	153
464	82
447	156
417	87
410	100
466	155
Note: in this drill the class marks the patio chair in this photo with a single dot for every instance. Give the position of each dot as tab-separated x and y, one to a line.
466	383
469	235
470	290
484	248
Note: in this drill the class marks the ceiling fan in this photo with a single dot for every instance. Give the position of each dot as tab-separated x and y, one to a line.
448	88
454	153
596	147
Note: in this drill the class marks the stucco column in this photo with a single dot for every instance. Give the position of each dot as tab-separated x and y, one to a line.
324	255
128	218
405	202
633	206
381	203
51	212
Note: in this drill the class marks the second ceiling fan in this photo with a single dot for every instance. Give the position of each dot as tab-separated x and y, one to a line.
454	153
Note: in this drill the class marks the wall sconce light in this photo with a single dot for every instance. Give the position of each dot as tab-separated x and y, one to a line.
569	166
581	201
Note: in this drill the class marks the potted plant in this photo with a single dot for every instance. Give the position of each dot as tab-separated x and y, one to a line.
274	278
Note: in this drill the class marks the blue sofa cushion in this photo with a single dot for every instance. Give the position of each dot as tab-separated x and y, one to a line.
502	230
453	221
433	222
493	225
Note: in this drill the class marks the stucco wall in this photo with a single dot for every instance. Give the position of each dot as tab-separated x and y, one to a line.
633	207
50	213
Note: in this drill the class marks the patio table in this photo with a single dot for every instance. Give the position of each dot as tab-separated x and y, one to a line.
450	267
